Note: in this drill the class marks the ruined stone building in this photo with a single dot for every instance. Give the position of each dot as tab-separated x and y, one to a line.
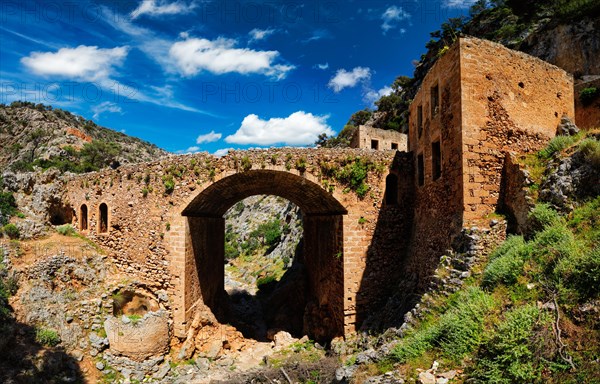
479	102
378	139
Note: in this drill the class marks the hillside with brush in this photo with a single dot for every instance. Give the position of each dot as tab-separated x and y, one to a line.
36	135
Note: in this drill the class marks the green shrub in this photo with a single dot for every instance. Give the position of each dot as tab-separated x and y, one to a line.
66	230
507	267
555	145
169	184
587	95
12	231
462	327
261	281
581	272
541	216
8	206
457	332
552	244
585	221
47	337
301	164
590	148
246	163
515	351
134	318
508	245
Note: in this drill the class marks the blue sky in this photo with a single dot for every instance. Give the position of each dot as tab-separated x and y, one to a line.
205	75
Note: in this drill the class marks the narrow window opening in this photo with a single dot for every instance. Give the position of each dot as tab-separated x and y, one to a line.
420	120
374	144
435	100
83	218
103	224
436	160
395	146
420	170
391	189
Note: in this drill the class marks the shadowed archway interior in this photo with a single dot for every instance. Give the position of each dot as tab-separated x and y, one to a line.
322	251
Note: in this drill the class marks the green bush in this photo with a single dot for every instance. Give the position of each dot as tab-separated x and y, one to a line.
585	221
66	230
541	216
581	272
12	231
515	351
246	163
8	206
270	233
590	148
261	281
587	95
555	145
553	244
169	184
508	266
508	245
457	332
47	337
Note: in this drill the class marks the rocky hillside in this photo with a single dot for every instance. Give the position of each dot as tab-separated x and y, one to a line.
35	135
262	233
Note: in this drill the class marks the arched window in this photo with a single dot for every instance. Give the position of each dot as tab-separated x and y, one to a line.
83	218
103	224
391	189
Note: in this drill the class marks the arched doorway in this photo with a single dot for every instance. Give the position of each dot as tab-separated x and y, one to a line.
322	250
83	218
103	216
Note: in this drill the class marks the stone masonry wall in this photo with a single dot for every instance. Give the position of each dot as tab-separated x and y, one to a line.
587	116
386	139
438	203
146	235
510	102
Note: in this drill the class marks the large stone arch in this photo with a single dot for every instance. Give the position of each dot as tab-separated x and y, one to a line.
200	245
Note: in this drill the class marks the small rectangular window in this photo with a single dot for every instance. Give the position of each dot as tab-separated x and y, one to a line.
435	100
421	169
436	160
374	144
420	120
395	146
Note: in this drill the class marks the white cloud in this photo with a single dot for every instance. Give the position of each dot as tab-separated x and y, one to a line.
260	34
318	34
371	96
84	63
222	152
392	16
220	56
161	7
323	66
106	106
300	128
344	79
458	3
193	149
208	138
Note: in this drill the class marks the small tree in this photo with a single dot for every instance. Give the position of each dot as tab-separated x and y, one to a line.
35	138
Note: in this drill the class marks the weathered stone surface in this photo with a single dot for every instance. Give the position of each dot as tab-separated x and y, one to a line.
147	337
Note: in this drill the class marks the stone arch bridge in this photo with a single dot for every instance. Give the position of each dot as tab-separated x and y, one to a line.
161	223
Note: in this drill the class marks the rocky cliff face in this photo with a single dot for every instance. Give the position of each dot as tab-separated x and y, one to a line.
574	46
